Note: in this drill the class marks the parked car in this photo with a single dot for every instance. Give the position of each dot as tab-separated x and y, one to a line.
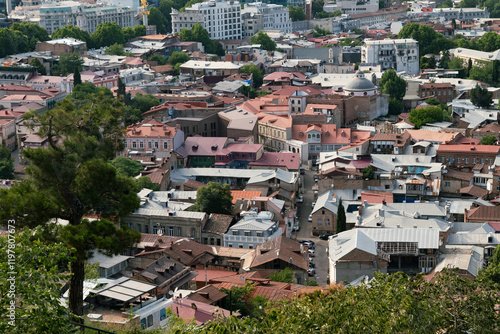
302	170
296	227
325	236
312	264
310	218
313	204
311	271
315	177
300	199
311	252
308	243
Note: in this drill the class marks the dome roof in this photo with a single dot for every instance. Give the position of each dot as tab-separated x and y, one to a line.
359	83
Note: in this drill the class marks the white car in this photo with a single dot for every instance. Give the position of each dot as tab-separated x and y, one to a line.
300	199
311	252
296	227
311	271
310	218
313	204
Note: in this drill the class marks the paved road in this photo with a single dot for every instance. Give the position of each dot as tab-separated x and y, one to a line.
305	208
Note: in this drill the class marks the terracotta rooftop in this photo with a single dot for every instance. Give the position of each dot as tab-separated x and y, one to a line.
486	149
218	223
484	213
474	191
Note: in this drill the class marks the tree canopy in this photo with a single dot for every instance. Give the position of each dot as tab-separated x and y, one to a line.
200	34
37	282
429	41
480	97
489	140
422	116
266	43
21	37
214	198
127	166
341	218
258	75
106	34
157	18
178	57
117	50
6	164
67	64
35	62
73	177
73	32
296	13
392	84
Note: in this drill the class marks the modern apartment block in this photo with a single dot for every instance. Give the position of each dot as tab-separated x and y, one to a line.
400	54
222	19
53	15
352	6
259	16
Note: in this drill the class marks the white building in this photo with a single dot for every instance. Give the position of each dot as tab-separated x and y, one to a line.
53	15
448	14
352	6
222	19
259	16
252	231
400	54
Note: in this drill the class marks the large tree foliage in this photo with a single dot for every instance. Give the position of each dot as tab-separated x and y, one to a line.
285	275
214	198
73	32
36	63
72	178
200	34
296	13
422	116
67	64
34	273
145	182
116	49
390	304
33	32
480	97
6	164
392	84
178	57
266	43
107	34
429	41
341	218
157	19
127	166
257	74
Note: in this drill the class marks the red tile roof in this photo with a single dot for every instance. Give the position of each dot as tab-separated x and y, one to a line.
487	149
291	161
239	194
152	129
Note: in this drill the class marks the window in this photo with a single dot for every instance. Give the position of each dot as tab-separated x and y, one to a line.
138	227
259	234
466	160
230	245
156	144
143	323
171	231
247	233
447	184
163	314
473	160
240	246
141	144
320	222
134	144
235	232
150	320
327	221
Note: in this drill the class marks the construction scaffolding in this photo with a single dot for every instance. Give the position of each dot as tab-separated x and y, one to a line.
401	248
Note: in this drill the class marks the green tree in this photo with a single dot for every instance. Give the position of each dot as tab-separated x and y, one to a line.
35	276
73	32
156	18
447	4
445	59
178	57
139	30
456	64
392	84
368	173
429	40
491	274
117	50
489	42
214	198
296	13
73	178
144	102
67	64
121	89
285	275
6	164
189	4
159	59
422	116
467	4
318	32
145	182
480	97
257	74
489	140
395	106
316	7
77	78
12	42
341	218
200	34
33	32
106	34
127	166
266	43
36	63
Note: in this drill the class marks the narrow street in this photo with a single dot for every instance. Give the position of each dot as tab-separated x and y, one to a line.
304	233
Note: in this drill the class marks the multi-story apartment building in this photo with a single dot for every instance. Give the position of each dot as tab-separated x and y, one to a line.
53	15
259	16
444	92
400	54
467	156
353	6
252	231
448	14
154	137
222	19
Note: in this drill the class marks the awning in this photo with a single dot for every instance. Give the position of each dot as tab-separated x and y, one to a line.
183	280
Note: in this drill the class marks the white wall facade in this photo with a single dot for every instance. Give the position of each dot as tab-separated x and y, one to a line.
399	54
